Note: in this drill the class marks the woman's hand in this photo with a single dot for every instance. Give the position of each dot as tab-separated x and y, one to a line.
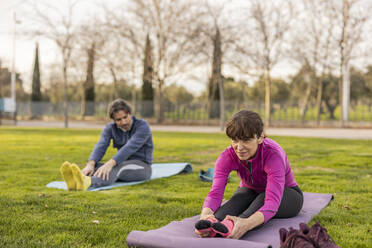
202	234
241	226
89	168
205	234
206	213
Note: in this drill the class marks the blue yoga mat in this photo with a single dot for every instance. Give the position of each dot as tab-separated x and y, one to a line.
158	171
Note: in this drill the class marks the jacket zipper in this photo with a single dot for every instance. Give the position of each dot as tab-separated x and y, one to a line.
249	166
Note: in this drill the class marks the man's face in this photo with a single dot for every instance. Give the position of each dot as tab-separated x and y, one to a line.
246	150
123	120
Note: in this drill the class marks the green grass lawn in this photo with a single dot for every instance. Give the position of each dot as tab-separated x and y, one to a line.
32	215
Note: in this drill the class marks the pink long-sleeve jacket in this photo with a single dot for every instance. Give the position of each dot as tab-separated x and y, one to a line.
271	172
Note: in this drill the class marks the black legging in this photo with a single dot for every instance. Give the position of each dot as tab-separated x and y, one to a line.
246	202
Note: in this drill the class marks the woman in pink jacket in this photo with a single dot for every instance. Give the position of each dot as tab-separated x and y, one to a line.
267	187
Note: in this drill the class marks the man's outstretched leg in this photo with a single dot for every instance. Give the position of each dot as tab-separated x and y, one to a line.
82	182
67	176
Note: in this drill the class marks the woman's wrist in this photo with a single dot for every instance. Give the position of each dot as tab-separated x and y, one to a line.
248	225
254	220
206	212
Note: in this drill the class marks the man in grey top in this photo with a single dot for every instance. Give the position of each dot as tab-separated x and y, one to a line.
133	139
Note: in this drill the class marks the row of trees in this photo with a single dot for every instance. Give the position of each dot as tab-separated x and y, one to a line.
286	93
161	41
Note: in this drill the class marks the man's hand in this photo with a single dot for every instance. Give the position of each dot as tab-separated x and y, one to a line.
89	168
104	171
241	226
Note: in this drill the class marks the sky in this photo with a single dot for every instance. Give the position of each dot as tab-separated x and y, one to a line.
25	46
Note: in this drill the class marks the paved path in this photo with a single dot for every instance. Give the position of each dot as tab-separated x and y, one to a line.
340	133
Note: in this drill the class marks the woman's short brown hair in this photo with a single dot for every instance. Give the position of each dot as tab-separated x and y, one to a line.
118	105
244	125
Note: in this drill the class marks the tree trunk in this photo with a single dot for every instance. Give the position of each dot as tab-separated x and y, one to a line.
82	106
113	94
160	114
331	109
89	94
147	108
267	98
217	75
319	99
134	100
36	85
65	102
222	104
346	93
342	44
305	103
216	80
340	89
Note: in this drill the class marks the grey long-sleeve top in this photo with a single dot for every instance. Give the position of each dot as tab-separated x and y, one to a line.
136	143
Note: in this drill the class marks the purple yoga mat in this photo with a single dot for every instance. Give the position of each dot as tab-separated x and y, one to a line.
180	234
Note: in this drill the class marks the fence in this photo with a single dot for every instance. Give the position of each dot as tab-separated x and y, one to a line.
284	113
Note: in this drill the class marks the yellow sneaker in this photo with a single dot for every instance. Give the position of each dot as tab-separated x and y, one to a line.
67	176
82	182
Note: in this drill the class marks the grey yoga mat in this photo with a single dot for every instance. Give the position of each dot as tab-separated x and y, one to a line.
158	171
180	234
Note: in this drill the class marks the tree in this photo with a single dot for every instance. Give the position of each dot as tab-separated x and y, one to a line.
128	40
147	89
217	35
280	90
36	85
261	42
215	85
178	95
92	37
124	90
331	94
5	76
172	29
235	90
312	49
303	88
59	29
352	19
368	82
357	86
88	85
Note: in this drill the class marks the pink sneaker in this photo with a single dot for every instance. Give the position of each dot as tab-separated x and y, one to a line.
223	228
204	226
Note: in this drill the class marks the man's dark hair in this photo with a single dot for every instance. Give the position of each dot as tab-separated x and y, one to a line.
118	105
243	125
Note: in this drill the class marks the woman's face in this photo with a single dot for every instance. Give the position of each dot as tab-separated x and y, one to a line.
246	150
